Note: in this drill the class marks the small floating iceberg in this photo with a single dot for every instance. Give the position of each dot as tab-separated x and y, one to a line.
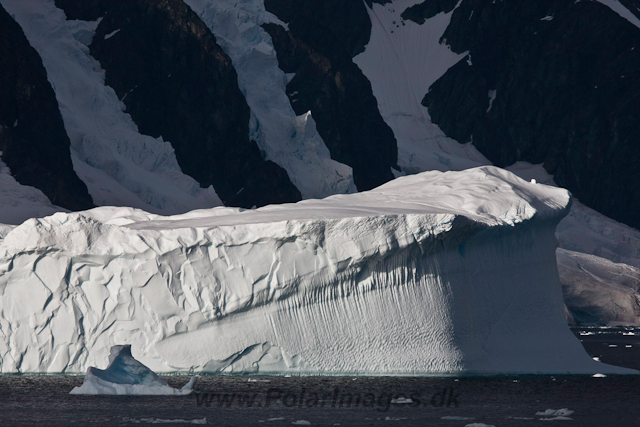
126	376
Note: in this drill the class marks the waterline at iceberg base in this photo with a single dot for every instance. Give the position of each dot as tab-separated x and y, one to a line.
434	273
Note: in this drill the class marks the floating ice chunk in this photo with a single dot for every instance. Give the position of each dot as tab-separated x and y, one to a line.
559	418
402	401
556	415
165	421
125	375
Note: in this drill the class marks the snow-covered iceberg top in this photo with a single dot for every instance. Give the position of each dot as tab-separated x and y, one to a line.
449	272
126	376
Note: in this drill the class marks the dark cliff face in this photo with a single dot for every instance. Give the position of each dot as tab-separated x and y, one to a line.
176	82
428	9
322	40
33	140
567	89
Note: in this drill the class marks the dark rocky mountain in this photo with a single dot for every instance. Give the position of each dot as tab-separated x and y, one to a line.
33	140
322	40
176	82
551	81
567	90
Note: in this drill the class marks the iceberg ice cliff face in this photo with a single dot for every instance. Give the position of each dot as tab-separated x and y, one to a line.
598	261
126	376
434	273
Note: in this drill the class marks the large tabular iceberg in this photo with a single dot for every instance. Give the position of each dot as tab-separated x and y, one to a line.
449	272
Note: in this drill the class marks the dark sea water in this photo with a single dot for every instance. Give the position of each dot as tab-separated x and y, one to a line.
346	401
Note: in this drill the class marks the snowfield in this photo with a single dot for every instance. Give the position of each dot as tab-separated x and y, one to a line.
19	202
433	273
402	60
119	165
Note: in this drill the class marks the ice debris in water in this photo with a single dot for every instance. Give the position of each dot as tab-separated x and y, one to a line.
125	375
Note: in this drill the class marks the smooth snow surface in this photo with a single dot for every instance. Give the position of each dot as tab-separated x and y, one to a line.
125	376
291	142
428	274
119	165
621	10
402	60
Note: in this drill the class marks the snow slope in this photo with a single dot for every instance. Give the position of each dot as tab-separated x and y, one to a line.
291	142
20	202
621	10
402	60
119	165
430	273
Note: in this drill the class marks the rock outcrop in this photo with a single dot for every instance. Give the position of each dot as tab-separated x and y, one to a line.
551	82
33	140
322	40
176	82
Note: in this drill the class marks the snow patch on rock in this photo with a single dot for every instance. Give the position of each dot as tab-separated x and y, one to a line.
621	10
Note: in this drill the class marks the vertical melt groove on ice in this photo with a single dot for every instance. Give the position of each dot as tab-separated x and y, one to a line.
433	273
